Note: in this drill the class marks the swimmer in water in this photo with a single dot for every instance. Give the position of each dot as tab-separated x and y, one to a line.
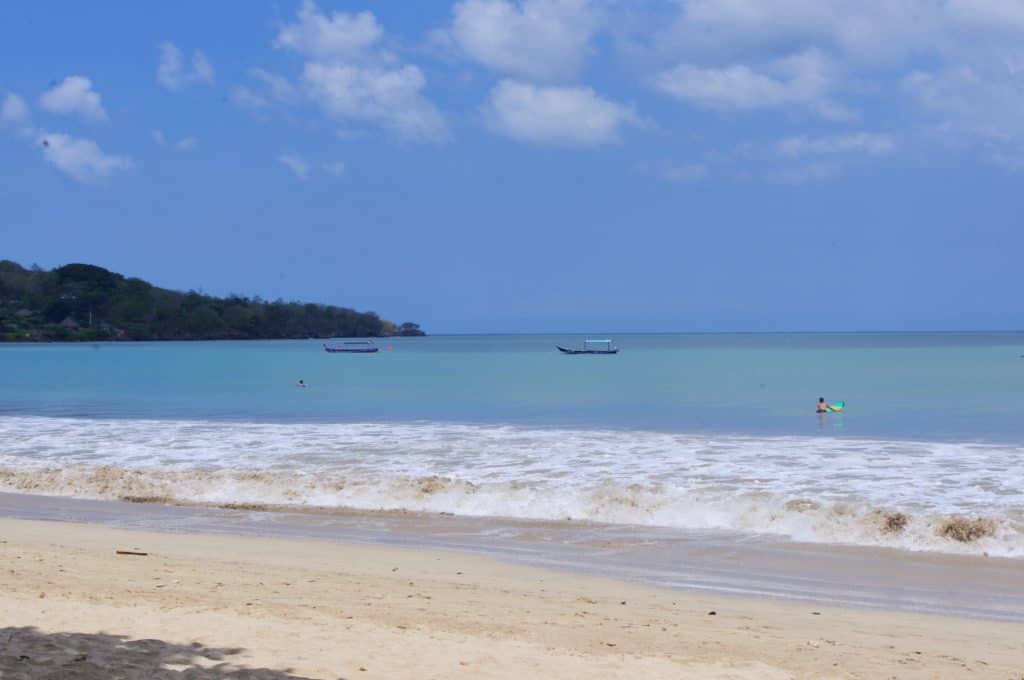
823	407
301	383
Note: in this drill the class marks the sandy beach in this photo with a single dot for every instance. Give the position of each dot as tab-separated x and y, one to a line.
228	606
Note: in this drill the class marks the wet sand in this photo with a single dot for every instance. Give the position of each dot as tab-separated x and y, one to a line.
710	562
215	604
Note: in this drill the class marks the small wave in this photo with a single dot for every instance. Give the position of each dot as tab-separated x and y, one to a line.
636	504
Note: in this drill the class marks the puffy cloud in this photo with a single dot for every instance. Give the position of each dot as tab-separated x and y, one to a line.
960	61
173	75
14	113
873	144
390	97
802	80
74	96
735	87
535	39
158	137
80	159
351	79
335	168
869	31
297	164
567	116
338	36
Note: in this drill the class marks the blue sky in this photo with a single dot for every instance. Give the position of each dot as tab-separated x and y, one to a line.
534	165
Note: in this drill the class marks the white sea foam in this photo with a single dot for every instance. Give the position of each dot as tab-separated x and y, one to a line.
966	498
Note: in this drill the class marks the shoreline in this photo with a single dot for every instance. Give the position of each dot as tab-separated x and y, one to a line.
695	562
323	609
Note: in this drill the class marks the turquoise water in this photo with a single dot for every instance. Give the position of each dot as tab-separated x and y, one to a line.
963	387
690	432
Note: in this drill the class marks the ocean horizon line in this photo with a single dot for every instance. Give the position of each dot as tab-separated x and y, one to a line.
534	334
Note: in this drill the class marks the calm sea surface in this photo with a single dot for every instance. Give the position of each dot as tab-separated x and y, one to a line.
708	432
963	387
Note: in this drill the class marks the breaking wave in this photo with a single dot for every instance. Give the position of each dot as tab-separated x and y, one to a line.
961	498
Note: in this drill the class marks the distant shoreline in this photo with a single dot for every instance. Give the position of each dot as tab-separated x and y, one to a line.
85	303
150	341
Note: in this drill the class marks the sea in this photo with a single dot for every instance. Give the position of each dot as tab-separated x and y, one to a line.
709	433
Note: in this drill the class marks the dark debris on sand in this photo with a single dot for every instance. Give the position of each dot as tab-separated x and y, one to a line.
29	654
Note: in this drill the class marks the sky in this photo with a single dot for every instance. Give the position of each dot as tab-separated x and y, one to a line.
485	166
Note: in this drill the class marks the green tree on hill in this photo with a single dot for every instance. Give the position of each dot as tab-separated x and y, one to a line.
86	302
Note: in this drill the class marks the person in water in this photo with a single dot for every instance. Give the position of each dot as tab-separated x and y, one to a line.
301	383
823	407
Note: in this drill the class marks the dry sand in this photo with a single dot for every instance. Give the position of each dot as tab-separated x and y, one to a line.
206	606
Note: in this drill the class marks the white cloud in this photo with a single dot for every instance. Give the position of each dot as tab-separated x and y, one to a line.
973	107
873	144
244	98
14	113
272	87
568	116
80	159
735	87
335	168
351	79
339	36
280	87
389	97
158	137
802	80
752	31
202	69
297	164
960	61
186	144
14	110
172	74
536	39
74	96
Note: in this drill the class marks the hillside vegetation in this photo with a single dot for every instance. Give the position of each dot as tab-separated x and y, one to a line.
86	302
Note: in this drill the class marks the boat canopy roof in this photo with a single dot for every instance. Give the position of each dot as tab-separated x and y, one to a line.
601	342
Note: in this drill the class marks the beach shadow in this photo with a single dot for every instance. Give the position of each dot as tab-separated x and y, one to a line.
30	654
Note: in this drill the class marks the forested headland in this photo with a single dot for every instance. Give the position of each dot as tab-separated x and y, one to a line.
83	302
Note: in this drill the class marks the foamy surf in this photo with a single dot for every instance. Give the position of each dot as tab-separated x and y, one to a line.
957	498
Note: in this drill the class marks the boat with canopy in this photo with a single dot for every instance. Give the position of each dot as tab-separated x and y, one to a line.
599	346
353	347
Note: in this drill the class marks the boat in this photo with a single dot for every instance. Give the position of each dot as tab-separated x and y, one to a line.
353	347
591	347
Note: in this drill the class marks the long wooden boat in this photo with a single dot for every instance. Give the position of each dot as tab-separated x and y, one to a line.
591	347
352	348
